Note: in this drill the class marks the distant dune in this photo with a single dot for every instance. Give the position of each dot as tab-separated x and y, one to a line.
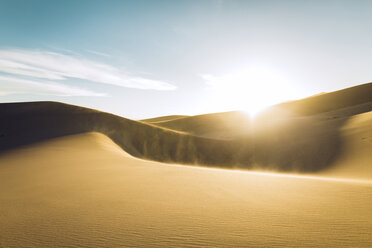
228	125
300	136
85	191
332	101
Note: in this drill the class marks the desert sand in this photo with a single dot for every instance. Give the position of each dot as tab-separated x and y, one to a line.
300	175
84	191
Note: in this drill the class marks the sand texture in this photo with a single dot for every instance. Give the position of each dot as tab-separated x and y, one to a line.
84	191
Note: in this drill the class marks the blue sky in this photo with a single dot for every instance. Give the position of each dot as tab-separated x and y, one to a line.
149	58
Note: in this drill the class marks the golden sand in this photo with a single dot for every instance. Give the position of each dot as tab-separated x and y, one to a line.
84	191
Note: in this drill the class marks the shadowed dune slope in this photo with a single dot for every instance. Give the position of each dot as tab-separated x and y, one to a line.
84	191
302	137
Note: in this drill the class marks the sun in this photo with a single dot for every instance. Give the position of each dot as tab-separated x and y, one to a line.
250	90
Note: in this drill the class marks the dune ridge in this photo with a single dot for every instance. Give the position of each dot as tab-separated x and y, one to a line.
163	118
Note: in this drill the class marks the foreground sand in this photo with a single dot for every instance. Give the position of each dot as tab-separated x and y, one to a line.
83	191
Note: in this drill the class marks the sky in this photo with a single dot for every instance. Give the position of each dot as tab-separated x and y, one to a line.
142	59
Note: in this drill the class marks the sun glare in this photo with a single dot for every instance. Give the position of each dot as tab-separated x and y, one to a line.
250	90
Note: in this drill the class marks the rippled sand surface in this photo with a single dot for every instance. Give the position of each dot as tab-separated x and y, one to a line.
83	191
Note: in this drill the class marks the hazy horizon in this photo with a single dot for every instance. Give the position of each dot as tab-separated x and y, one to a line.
142	59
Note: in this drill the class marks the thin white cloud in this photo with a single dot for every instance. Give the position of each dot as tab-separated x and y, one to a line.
99	53
56	66
13	85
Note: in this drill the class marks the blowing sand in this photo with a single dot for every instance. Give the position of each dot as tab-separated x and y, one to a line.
84	191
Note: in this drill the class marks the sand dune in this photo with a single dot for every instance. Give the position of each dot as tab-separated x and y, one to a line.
76	177
304	135
27	123
301	136
84	191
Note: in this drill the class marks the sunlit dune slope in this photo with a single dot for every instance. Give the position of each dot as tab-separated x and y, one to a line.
84	191
281	139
